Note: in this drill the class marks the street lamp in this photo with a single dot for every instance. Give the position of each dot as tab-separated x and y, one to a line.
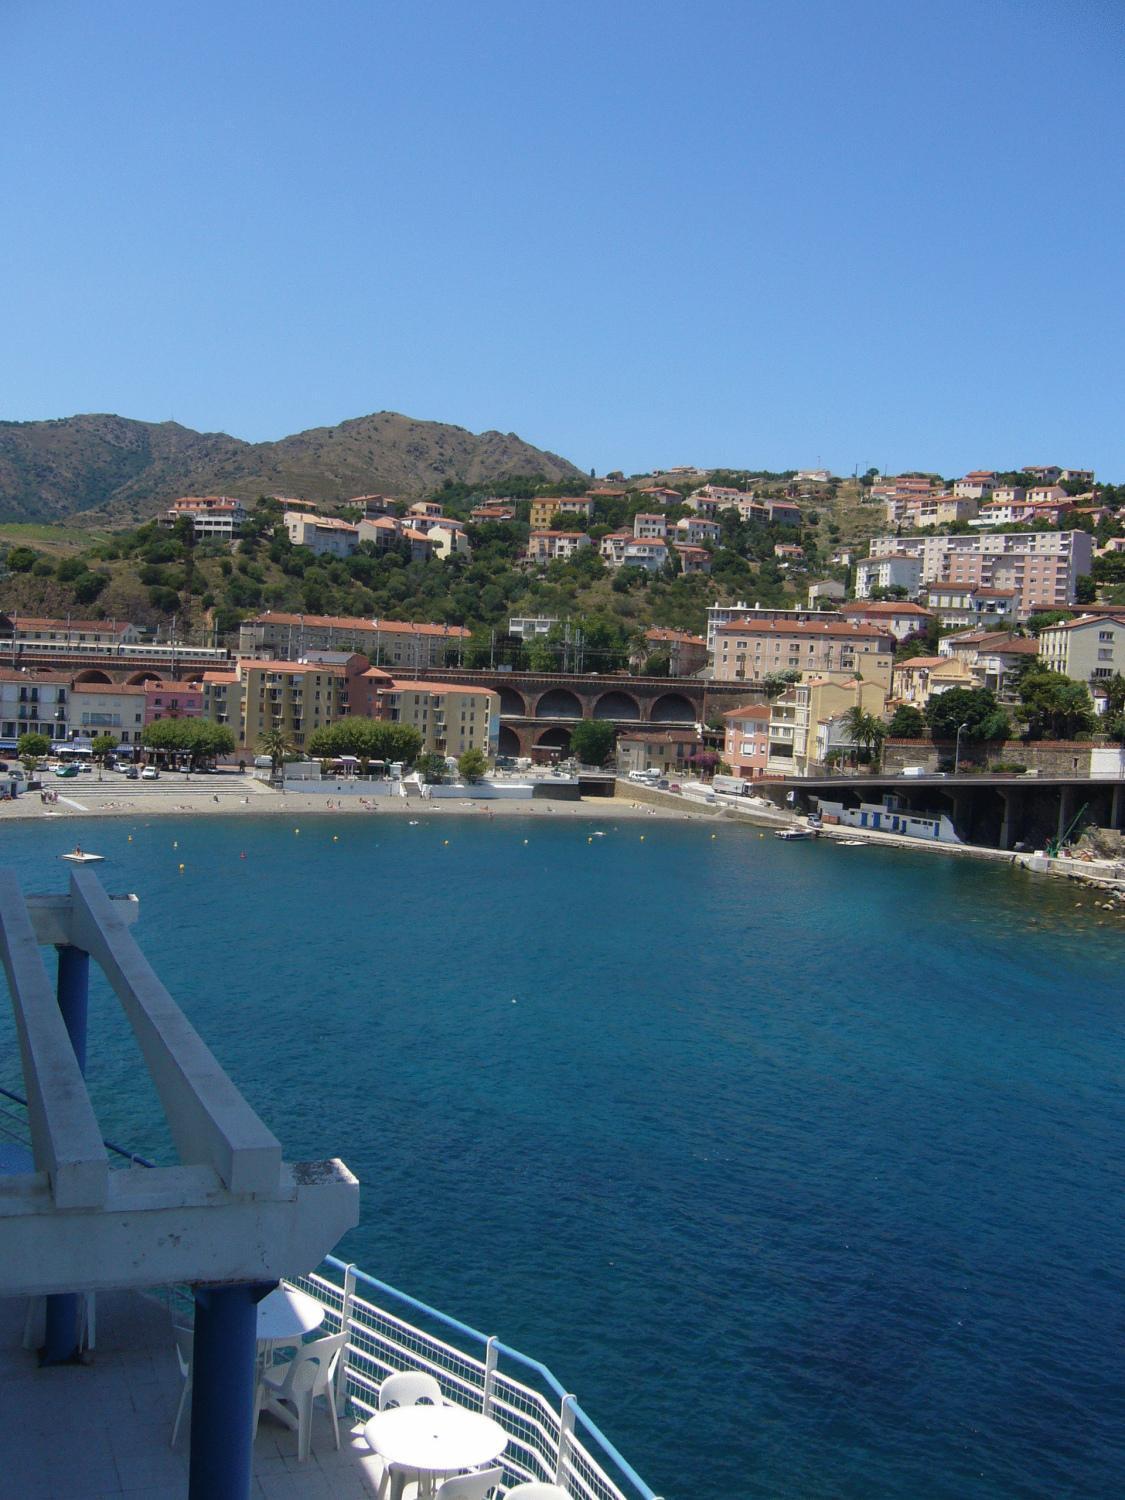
957	749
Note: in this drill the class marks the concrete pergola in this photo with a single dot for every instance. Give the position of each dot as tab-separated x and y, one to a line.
230	1219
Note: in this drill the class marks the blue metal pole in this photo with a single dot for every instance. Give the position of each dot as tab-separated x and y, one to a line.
62	1342
222	1390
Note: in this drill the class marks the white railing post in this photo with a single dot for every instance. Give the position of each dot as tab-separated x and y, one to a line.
566	1427
489	1373
341	1394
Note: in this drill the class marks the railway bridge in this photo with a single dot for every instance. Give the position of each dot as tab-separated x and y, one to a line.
539	710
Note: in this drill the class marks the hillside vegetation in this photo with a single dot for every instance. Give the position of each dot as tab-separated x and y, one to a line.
113	469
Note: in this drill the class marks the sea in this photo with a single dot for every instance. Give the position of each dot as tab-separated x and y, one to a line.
801	1165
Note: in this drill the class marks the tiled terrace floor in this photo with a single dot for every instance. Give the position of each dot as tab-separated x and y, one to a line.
101	1430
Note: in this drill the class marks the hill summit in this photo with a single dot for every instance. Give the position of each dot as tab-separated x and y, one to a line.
112	468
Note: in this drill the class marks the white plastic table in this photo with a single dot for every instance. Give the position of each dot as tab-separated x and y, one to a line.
435	1440
286	1314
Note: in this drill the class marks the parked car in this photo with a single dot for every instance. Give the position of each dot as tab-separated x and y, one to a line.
130	773
66	771
150	773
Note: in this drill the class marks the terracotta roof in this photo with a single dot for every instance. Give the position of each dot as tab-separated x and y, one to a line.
922	661
535	534
659	633
352	622
227	677
852	629
252	664
749	711
403	685
1082	620
105	627
108	687
882	608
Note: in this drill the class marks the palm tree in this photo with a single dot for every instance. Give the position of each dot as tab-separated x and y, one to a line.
864	729
277	745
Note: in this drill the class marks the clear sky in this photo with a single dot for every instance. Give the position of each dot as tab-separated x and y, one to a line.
739	232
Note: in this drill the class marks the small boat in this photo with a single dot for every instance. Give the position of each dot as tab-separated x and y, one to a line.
793	833
79	857
851	843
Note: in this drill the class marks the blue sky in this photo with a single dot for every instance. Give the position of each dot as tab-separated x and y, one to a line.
755	233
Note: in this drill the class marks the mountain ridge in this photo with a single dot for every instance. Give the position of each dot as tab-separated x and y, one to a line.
98	467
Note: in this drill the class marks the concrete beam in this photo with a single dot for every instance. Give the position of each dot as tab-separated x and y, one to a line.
66	1141
173	1224
50	917
211	1123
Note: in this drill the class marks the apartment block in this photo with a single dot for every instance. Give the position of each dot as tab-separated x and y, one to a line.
1090	649
649	526
324	536
295	697
746	740
897	570
543	511
450	717
396	643
1042	568
546	546
32	703
751	651
212	516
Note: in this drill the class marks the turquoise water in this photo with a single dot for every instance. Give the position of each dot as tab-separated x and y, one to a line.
800	1165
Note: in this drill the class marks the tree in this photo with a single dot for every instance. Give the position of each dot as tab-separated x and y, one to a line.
864	729
367	739
472	765
1085	589
1054	705
31	748
777	682
277	745
1115	694
104	745
907	723
432	768
975	708
593	741
197	739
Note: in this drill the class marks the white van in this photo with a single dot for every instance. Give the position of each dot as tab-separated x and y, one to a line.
650	777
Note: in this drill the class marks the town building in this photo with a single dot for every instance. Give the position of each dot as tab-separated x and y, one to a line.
546	546
448	540
173	700
960	605
394	643
687	654
648	526
692	559
895	570
222	700
698	532
295	697
746	740
493	511
728	614
32	702
1041	567
1077	476
751	651
813	476
451	718
662	750
323	535
1090	649
212	516
531	627
977	485
993	657
543	511
1044	473
425	510
808	721
657	494
827	591
612	547
651	556
899	618
115	708
921	678
392	531
788	554
372	506
71	632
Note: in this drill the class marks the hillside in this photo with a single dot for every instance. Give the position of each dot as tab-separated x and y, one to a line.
108	469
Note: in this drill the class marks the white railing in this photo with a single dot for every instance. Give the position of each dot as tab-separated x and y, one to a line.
550	1438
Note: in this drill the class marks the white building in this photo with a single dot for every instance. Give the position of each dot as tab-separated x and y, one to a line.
896	570
321	534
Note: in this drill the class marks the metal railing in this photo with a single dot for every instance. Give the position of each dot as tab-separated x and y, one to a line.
550	1437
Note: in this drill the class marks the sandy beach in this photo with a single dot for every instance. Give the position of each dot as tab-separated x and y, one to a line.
233	796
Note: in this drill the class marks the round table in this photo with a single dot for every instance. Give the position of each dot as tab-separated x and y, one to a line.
435	1439
286	1314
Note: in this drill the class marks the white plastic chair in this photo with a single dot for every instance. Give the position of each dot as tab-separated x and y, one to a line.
534	1490
470	1486
308	1374
408	1388
185	1339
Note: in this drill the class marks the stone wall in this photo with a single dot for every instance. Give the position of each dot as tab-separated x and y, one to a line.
1048	757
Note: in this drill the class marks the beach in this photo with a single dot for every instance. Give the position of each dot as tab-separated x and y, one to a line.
234	795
